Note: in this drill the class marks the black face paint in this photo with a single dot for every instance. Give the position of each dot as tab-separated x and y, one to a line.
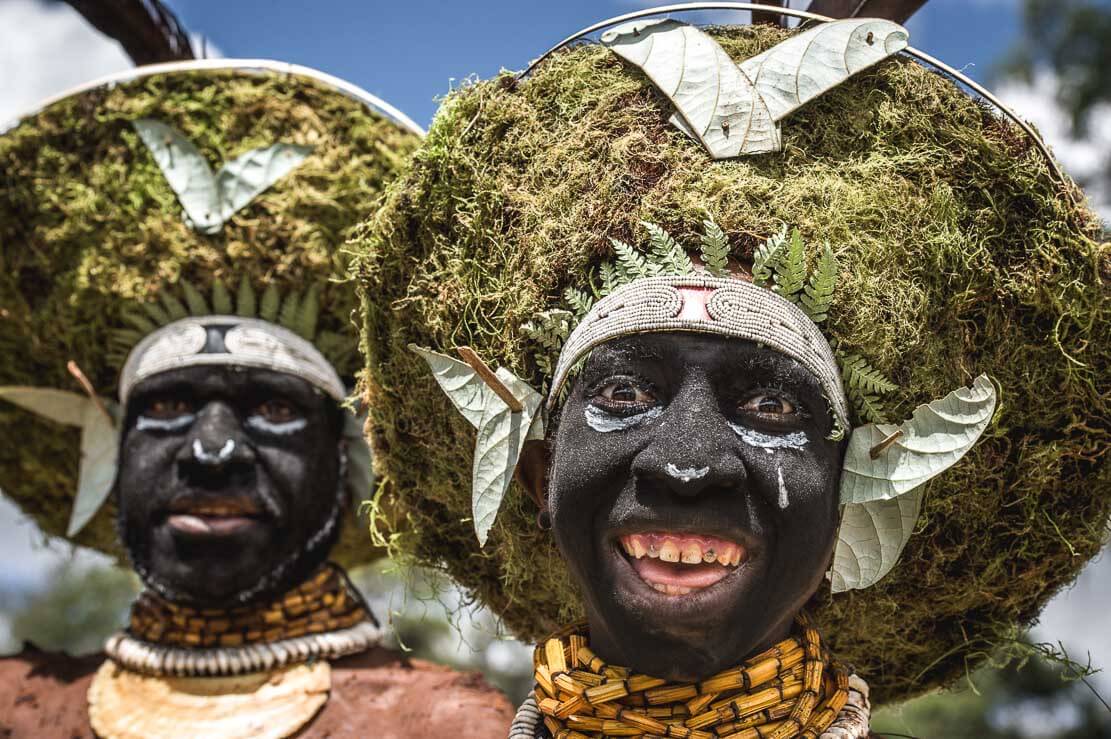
230	483
687	439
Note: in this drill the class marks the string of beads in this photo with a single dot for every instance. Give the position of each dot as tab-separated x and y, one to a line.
792	689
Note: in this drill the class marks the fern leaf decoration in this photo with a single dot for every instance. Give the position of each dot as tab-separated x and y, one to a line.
198	306
715	249
610	279
631	264
818	294
221	299
157	313
767	256
859	375
579	301
287	318
246	301
665	256
174	307
790	271
308	314
869	408
139	322
271	302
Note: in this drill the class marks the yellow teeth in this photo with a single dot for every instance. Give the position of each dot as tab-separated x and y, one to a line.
669	552
671	589
686	551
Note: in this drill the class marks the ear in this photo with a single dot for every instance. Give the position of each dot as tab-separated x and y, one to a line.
532	471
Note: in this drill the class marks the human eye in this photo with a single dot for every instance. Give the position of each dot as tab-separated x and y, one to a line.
772	407
623	396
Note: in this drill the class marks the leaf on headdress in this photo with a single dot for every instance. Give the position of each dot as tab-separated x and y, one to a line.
208	199
198	306
287	318
715	249
308	314
579	301
767	257
936	436
138	322
807	64
501	432
665	256
818	294
715	102
271	303
870	540
221	299
175	309
246	300
631	264
156	312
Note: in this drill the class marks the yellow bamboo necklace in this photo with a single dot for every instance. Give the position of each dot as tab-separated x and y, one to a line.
790	690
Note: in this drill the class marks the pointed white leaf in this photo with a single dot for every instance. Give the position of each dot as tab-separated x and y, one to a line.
459	382
716	100
62	406
501	436
936	436
360	462
242	179
806	65
871	538
100	445
187	172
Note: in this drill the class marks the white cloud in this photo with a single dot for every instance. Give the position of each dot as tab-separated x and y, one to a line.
1085	159
46	49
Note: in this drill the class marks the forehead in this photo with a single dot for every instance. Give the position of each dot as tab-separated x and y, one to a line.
229	382
676	352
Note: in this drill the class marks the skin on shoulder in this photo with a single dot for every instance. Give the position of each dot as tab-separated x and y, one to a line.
229	484
692	487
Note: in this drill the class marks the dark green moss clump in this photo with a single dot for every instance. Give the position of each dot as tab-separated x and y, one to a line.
959	254
89	226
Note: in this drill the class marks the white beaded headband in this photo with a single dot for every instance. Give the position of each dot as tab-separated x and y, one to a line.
227	341
710	305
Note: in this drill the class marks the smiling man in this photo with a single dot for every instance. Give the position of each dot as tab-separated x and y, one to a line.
172	237
721	317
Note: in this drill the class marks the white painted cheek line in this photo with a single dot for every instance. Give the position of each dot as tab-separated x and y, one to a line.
783	502
768	442
279	429
604	423
159	424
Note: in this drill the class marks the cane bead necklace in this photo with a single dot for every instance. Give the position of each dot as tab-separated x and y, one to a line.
792	689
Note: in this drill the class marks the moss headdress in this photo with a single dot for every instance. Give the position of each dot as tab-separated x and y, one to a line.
171	192
959	252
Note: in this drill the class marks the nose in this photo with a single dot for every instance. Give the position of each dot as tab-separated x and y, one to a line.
692	451
216	453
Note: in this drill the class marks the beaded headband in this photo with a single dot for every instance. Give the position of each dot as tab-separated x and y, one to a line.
226	341
709	305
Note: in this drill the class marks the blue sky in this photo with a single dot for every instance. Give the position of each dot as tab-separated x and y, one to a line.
408	53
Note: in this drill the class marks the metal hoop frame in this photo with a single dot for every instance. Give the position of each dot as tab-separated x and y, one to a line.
235	65
921	56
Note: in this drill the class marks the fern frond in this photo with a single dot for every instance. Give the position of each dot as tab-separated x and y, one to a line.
221	299
715	249
631	264
157	313
790	271
126	338
862	378
139	322
767	256
173	306
665	255
287	318
579	301
610	279
818	294
271	302
869	408
246	300
308	314
198	306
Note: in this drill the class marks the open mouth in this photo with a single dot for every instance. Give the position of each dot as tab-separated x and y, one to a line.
678	564
213	518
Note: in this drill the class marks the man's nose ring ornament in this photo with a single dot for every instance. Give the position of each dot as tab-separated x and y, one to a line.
211	459
686	474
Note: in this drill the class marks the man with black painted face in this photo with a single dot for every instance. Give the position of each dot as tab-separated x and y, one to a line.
693	493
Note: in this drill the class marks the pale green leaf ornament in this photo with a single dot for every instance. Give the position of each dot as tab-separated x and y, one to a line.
881	483
735	110
210	200
99	442
502	433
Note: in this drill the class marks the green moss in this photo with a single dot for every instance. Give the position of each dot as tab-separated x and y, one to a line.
89	227
958	253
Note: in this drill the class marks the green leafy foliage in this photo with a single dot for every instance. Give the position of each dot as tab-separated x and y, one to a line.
631	264
196	303
715	249
291	307
790	269
307	314
174	307
818	294
865	385
221	299
665	256
579	301
246	301
271	303
767	256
